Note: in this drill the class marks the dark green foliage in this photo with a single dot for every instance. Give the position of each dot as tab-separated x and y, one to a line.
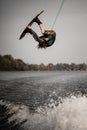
8	63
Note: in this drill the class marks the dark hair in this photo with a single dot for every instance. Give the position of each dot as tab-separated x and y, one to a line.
44	45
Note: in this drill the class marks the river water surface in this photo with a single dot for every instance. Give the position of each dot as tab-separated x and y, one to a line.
48	100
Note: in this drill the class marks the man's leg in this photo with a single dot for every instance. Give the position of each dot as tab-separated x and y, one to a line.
42	28
35	36
29	30
37	20
29	27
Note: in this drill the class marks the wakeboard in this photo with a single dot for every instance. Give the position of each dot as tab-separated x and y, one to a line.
24	31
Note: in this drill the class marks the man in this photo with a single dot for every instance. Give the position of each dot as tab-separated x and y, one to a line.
48	36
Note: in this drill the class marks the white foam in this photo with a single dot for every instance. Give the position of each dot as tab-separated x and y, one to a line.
70	114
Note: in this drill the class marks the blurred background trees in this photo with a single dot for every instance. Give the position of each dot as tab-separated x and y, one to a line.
8	63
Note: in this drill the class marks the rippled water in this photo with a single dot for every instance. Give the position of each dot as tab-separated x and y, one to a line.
43	100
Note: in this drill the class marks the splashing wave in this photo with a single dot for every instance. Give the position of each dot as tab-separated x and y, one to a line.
69	114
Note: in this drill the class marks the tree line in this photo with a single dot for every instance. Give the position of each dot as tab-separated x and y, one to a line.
8	63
